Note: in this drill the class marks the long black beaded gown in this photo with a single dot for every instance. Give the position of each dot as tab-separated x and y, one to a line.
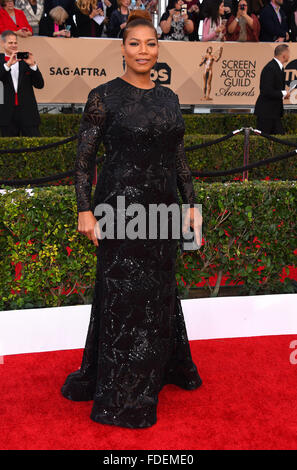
137	340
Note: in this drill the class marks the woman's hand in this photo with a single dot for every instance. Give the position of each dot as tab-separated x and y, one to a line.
193	218
63	32
96	12
87	225
123	25
220	29
194	8
23	33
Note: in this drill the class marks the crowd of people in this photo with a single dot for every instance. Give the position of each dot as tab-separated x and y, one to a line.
183	20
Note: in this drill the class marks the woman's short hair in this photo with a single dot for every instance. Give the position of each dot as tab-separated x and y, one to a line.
139	18
59	15
3	3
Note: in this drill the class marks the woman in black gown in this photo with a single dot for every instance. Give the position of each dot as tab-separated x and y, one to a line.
137	340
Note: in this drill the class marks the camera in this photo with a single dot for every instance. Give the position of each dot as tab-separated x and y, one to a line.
242	7
184	9
22	55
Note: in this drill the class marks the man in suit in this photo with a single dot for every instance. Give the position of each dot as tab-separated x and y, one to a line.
269	106
19	114
273	22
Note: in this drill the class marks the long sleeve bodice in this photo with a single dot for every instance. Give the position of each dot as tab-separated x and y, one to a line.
142	132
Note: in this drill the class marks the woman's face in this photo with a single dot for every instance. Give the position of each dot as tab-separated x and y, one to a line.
221	9
241	4
178	4
141	49
125	3
9	5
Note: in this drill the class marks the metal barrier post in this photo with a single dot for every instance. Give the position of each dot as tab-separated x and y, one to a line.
246	151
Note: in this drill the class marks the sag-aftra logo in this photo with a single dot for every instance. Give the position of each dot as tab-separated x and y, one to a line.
80	71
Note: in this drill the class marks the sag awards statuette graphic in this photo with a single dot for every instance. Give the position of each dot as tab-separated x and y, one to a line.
208	61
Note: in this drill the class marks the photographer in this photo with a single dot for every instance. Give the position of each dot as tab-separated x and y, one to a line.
175	23
19	114
244	26
214	28
193	8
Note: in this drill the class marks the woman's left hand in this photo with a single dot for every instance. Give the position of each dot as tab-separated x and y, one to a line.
193	8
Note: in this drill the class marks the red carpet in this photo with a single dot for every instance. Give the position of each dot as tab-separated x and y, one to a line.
247	401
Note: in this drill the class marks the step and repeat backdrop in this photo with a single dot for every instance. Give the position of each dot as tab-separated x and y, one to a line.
201	73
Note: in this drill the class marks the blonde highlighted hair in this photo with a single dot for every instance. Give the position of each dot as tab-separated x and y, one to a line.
59	15
86	6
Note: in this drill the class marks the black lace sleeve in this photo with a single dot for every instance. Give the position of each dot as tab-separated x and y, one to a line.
89	137
184	175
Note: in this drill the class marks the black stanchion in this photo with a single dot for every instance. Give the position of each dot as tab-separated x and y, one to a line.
213	142
42	180
274	139
246	151
240	169
41	147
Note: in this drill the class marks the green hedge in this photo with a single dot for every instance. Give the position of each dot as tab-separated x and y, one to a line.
36	164
67	124
223	156
249	235
224	123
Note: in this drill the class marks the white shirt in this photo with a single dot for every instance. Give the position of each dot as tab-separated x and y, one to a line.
282	68
15	73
